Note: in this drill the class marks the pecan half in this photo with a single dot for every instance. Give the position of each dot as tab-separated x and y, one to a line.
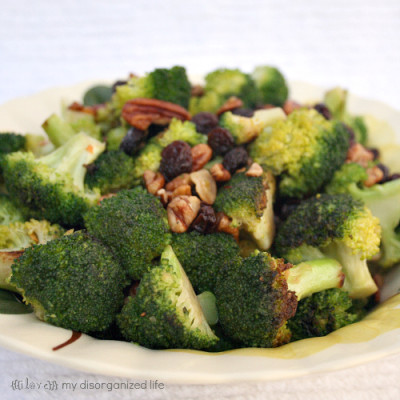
181	212
232	103
141	113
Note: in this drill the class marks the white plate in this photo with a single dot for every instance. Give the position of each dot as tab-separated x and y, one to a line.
376	336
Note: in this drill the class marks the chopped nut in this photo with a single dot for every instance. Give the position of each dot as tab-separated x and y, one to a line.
141	112
254	170
181	212
290	106
183	190
360	155
197	91
219	173
164	195
153	181
201	155
205	185
232	103
180	180
225	225
375	175
106	196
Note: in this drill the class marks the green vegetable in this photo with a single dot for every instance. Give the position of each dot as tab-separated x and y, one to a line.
170	85
271	84
165	312
305	150
208	304
134	225
335	226
382	199
73	282
249	202
53	186
323	313
257	295
97	95
110	172
202	256
9	212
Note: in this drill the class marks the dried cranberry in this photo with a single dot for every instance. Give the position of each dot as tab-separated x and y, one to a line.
323	110
220	140
235	159
176	159
206	220
244	112
117	83
205	121
132	141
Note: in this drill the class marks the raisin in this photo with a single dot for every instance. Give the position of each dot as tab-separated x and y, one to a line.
244	112
352	135
376	154
117	83
323	110
205	121
206	220
235	159
132	141
176	159
220	140
394	177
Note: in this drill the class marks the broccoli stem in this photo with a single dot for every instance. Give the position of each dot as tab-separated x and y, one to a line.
58	131
72	157
314	276
208	304
358	282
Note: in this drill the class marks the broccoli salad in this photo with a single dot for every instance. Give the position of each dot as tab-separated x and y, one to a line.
207	217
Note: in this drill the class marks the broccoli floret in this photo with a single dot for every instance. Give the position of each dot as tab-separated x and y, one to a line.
222	84
134	225
149	157
114	137
271	84
202	256
38	145
7	258
73	282
245	129
110	172
9	212
165	312
336	100
382	199
208	304
20	235
335	226
257	295
11	142
53	186
305	150
170	85
322	313
249	202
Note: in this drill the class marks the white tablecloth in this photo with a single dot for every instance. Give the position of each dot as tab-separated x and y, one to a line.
354	43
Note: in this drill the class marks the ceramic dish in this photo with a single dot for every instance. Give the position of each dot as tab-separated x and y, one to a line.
376	336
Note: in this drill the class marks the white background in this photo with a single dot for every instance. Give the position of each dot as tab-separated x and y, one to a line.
353	43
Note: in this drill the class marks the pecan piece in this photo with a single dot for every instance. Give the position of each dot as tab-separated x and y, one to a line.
375	175
232	103
290	106
141	113
360	155
92	110
219	173
255	170
183	190
201	155
180	180
181	212
164	196
205	185
225	225
153	181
